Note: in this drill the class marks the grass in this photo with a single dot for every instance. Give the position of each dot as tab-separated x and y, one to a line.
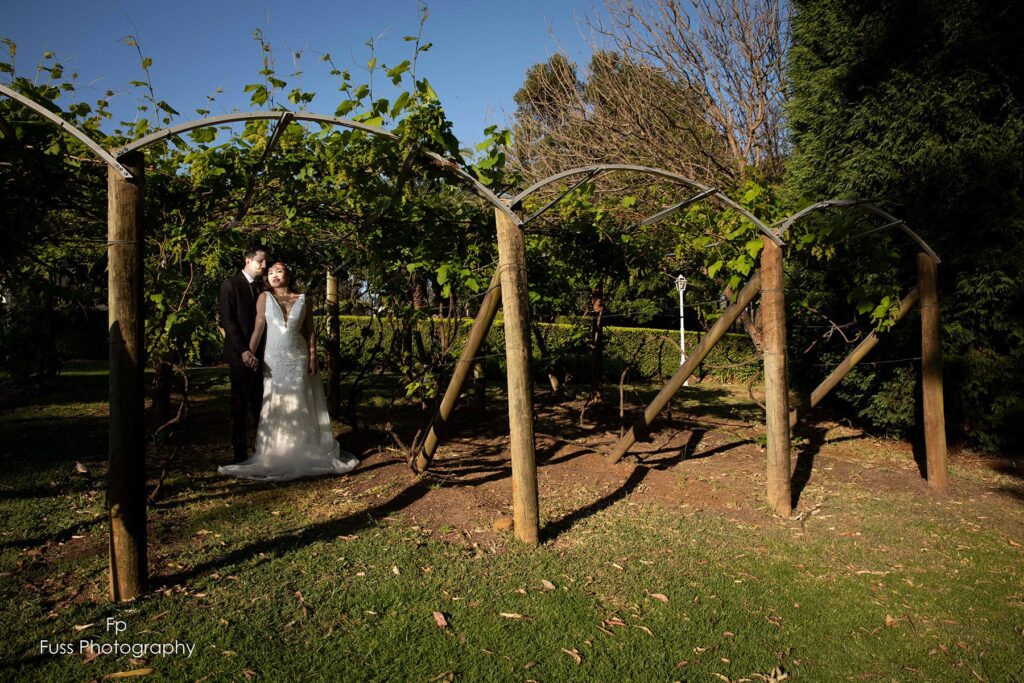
303	581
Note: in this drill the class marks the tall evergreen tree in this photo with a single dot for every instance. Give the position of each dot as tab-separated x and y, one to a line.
919	106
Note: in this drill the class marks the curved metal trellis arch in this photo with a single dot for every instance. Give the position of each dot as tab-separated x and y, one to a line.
112	158
438	160
96	149
892	222
589	172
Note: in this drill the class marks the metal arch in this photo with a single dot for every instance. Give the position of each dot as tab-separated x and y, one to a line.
784	225
438	160
703	189
68	128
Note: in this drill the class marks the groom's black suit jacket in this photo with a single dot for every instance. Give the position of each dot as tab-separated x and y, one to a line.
238	317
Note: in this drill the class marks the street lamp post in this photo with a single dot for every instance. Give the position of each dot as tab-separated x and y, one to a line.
681	287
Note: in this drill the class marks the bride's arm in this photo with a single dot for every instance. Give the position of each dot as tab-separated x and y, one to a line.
261	323
309	333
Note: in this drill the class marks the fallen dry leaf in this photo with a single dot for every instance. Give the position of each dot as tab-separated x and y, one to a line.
575	654
547	585
249	673
440	620
644	629
512	615
348	537
82	627
660	596
129	674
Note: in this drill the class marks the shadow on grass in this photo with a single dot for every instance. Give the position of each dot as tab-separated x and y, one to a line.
554	529
322	531
58	537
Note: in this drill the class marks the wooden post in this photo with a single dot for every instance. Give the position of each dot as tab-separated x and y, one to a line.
776	380
126	478
477	335
516	306
333	347
857	355
931	375
717	331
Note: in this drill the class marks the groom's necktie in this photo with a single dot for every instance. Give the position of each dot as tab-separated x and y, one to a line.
254	288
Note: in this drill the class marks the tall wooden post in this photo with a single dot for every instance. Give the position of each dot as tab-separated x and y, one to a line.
516	306
477	335
776	380
717	331
931	375
333	347
126	478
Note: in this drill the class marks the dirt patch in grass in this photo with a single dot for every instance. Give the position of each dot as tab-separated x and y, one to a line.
688	462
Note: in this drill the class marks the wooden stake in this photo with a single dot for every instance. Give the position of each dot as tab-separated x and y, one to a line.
516	306
776	380
333	347
857	355
717	331
931	376
477	335
126	478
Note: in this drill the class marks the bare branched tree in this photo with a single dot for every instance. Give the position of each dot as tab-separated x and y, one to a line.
692	86
620	111
729	54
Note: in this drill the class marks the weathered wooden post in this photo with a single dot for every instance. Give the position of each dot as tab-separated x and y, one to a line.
776	380
333	347
126	479
516	307
931	375
467	361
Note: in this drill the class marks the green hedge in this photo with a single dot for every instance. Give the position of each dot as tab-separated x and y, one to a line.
650	351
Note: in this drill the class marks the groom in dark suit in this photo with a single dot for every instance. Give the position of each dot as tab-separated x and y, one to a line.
238	296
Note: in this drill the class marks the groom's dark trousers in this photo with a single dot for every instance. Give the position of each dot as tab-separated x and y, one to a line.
238	318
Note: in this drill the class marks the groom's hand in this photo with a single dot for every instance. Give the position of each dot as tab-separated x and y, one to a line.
250	360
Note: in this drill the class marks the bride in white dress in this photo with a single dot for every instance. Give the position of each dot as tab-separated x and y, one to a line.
294	437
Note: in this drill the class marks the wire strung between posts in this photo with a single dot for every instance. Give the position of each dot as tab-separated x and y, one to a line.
874	362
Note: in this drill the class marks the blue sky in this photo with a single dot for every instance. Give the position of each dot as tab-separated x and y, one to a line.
480	53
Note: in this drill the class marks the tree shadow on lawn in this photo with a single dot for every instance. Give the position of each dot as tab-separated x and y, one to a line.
321	531
62	536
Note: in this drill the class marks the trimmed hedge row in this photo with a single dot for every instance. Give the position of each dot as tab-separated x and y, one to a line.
654	353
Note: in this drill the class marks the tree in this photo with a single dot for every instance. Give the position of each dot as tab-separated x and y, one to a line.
919	106
728	57
620	111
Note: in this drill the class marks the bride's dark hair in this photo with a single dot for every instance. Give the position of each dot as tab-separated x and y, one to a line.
290	279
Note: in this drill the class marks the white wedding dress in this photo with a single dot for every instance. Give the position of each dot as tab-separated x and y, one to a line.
294	436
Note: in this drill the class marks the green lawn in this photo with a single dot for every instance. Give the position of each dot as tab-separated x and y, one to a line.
303	582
